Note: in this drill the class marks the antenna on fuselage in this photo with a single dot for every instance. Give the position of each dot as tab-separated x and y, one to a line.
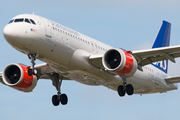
33	13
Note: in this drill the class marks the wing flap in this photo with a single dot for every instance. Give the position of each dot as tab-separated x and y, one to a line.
45	71
175	55
173	80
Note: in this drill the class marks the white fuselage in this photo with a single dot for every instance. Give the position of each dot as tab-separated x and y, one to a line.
57	45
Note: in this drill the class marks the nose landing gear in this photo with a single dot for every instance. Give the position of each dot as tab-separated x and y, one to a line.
32	71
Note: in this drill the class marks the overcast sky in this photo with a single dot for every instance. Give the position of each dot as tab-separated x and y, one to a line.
127	24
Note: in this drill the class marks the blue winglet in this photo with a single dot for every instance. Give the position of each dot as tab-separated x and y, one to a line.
162	40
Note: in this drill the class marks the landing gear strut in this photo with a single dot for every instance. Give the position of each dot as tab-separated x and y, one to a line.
32	71
56	99
122	89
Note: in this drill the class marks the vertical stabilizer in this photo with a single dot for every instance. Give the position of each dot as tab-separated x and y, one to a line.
162	40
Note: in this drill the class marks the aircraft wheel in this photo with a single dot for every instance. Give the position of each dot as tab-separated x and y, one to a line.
55	100
63	99
30	72
129	89
121	91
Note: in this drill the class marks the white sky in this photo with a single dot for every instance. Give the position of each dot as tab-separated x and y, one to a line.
128	24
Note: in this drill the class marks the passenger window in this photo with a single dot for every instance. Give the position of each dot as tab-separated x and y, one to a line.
11	21
19	20
26	20
32	21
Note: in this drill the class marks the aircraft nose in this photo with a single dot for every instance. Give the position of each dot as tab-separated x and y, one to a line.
9	33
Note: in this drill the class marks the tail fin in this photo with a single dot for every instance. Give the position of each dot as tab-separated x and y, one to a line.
162	40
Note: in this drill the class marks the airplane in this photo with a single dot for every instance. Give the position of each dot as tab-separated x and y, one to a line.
70	55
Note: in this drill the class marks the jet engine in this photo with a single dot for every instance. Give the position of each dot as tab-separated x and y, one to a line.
16	76
119	62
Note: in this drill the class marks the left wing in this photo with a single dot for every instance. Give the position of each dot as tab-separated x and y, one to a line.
145	57
149	56
173	80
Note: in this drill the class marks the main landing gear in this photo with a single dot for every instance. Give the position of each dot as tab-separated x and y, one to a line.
122	89
32	71
56	99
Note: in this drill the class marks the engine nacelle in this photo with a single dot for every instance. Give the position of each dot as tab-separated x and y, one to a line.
16	76
119	62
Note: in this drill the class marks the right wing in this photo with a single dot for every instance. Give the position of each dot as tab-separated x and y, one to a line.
44	72
145	57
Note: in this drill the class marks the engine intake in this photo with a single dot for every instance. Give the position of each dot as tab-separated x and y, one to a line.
16	76
119	62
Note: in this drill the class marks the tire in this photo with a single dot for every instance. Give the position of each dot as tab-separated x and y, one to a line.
129	89
121	91
30	72
55	100
63	99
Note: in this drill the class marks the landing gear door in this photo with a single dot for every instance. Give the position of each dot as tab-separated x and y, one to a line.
48	28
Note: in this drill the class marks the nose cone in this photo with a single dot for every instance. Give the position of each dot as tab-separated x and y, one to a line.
11	34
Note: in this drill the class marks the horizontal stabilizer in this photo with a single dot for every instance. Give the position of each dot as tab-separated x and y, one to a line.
173	80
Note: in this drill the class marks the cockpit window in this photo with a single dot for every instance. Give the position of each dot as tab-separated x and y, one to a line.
27	20
19	20
32	21
11	21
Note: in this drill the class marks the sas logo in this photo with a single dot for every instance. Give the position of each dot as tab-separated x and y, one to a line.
162	65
